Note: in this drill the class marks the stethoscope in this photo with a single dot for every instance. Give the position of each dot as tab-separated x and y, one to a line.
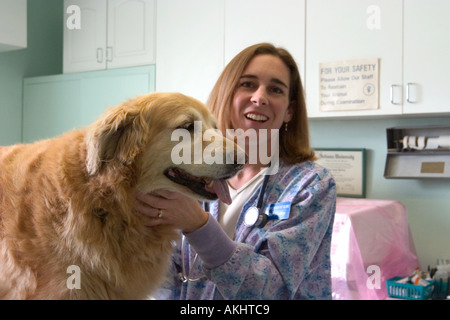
183	275
253	217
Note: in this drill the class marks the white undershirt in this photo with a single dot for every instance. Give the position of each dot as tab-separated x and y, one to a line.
229	214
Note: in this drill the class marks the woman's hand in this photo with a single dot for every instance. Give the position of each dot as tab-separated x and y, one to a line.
172	208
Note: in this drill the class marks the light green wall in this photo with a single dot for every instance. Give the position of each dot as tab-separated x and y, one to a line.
43	56
427	200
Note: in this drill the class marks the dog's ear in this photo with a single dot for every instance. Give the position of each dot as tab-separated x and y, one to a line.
118	136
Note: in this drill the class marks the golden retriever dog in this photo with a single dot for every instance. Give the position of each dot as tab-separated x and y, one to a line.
67	225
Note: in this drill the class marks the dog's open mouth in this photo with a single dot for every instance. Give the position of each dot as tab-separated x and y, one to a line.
208	188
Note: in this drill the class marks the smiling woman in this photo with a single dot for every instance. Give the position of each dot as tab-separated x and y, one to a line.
282	84
286	256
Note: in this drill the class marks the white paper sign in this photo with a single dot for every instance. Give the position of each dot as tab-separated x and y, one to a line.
349	85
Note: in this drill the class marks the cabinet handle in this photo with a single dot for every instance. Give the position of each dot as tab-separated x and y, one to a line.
109	56
392	94
99	55
409	93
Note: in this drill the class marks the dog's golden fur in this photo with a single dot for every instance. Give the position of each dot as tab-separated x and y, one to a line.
69	201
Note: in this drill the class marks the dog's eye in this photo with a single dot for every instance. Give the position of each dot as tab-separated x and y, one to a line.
187	125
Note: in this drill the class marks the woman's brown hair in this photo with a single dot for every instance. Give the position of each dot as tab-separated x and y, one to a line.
294	143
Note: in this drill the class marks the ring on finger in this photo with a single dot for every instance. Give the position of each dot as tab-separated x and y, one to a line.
160	213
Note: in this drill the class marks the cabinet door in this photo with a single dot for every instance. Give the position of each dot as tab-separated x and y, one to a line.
84	45
355	29
189	46
427	56
280	22
13	25
131	33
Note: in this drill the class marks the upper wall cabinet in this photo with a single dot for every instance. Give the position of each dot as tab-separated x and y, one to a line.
189	46
341	30
13	25
409	38
197	38
105	34
280	22
426	56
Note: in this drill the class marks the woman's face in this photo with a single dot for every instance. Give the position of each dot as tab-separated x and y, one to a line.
261	100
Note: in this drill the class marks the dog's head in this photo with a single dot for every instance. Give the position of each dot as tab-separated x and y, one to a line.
172	141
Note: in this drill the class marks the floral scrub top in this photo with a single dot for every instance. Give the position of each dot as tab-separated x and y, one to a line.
285	259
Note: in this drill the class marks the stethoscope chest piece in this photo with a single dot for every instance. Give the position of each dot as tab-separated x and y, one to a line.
253	217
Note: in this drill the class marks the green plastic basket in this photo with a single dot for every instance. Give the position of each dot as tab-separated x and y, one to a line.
408	291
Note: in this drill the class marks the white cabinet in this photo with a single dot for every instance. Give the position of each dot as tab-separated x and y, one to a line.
409	37
189	46
197	38
84	44
355	29
131	33
426	57
280	22
108	34
13	25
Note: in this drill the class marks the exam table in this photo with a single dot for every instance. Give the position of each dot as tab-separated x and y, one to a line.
371	243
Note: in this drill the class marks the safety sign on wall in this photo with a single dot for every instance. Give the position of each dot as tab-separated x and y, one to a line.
349	85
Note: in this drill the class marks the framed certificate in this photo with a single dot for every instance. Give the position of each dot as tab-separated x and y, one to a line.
348	168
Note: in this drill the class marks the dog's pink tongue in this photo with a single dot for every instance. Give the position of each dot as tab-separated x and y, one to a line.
220	188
